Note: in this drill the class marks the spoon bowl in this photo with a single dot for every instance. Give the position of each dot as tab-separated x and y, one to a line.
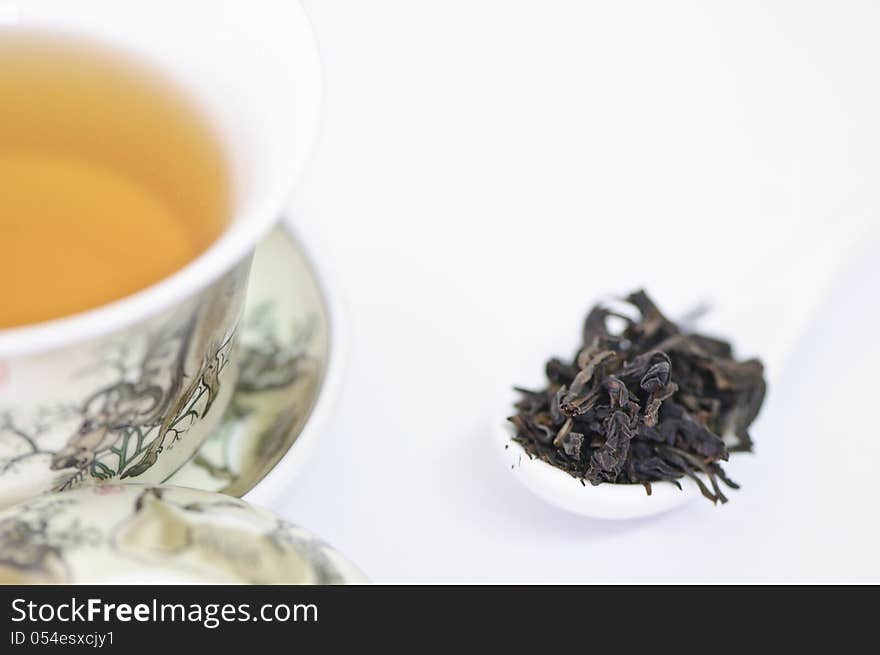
604	501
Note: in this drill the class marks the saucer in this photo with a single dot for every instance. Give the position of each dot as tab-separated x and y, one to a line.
286	369
148	534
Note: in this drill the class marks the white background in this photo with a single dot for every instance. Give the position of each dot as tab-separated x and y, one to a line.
489	169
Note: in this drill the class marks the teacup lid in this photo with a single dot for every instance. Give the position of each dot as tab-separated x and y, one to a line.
134	533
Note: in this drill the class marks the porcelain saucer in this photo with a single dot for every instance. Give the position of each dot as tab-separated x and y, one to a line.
289	363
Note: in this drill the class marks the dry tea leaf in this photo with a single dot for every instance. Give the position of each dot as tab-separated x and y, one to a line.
649	404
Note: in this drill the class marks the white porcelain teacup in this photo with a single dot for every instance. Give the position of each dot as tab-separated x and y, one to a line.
130	390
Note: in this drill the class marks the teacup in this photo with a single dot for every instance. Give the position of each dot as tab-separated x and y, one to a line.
128	391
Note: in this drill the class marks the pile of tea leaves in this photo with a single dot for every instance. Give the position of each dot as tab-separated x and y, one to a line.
647	404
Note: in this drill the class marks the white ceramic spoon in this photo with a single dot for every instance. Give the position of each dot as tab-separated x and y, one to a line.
796	284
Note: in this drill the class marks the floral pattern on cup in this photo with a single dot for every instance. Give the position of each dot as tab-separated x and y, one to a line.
131	405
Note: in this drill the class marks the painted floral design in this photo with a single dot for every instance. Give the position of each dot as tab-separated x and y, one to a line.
114	532
283	349
136	396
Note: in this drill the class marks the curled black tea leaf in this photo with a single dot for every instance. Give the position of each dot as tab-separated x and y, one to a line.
648	404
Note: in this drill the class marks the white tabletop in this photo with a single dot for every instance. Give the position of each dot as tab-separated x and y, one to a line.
490	169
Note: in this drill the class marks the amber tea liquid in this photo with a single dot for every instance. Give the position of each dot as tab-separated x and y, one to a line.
110	179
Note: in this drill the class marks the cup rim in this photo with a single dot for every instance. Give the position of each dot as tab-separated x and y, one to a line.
236	242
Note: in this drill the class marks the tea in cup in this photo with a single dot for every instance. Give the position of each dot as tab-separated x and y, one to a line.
144	152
